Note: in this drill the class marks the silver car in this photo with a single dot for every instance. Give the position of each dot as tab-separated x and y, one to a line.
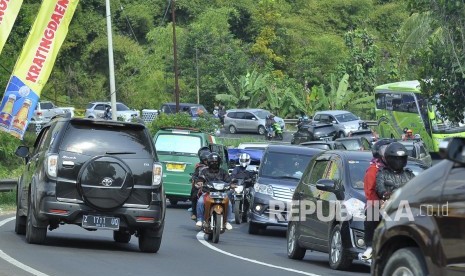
97	109
248	120
416	149
344	121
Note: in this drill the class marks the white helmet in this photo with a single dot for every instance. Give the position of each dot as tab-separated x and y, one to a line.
244	159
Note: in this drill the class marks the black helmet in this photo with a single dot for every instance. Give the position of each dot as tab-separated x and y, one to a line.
377	147
204	156
214	161
395	156
203	150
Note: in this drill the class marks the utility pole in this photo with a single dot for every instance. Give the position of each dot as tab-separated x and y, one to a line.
175	53
197	65
111	63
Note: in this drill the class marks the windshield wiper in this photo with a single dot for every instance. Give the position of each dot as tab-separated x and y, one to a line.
119	152
287	177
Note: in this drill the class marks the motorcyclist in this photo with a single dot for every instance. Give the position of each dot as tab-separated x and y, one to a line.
269	123
408	135
241	172
369	186
363	125
212	173
107	113
390	177
303	120
203	156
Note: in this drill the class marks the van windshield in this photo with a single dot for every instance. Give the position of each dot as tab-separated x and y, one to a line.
177	144
284	165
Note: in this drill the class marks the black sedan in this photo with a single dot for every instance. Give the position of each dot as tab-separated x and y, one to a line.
314	132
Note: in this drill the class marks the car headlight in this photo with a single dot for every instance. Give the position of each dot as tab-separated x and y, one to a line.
355	208
263	189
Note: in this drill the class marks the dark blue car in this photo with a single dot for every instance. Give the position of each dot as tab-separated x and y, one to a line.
334	179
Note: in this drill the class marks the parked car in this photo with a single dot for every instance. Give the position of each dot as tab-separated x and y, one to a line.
280	170
332	176
248	120
417	149
194	110
325	145
432	240
314	132
96	110
46	110
344	121
355	143
95	174
178	149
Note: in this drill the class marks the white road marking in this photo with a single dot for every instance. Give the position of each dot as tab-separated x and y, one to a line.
15	262
201	239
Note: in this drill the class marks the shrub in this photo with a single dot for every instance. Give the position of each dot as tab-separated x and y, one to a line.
205	123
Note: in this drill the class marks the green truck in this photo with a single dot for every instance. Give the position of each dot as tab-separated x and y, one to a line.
177	150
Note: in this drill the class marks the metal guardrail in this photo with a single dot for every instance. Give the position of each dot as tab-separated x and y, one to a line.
7	185
294	122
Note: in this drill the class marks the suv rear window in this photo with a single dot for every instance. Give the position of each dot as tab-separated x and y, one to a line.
46	105
98	139
172	143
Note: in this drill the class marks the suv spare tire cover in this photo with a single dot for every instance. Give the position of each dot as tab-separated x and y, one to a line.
105	182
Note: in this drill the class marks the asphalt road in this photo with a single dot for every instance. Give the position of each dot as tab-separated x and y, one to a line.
71	250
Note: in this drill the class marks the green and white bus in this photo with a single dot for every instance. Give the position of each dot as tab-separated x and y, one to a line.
401	105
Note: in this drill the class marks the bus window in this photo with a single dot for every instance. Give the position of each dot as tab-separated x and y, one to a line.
380	99
408	104
396	105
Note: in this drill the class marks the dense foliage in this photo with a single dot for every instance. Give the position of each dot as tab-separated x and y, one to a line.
287	47
205	123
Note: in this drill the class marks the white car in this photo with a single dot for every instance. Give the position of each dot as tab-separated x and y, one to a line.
96	110
46	110
343	121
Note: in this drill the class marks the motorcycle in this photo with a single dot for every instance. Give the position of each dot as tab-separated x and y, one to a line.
240	195
276	132
107	114
216	204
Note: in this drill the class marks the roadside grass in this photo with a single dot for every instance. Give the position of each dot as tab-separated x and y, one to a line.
234	142
7	202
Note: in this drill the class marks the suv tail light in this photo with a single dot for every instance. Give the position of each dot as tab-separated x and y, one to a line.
157	174
52	165
39	113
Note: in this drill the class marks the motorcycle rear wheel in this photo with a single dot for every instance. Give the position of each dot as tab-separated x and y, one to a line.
216	228
237	211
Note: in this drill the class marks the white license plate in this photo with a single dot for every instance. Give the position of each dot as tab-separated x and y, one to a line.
100	222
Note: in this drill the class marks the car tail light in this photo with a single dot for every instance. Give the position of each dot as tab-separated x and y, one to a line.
157	174
39	113
52	165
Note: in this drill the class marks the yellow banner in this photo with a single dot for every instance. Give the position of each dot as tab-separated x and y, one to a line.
9	9
34	65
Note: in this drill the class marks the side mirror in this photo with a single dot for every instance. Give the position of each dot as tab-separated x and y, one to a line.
326	185
456	150
422	155
334	122
253	118
22	151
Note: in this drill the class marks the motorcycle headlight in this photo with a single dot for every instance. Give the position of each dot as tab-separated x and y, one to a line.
355	208
264	189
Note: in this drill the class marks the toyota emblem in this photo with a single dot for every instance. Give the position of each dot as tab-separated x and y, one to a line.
107	181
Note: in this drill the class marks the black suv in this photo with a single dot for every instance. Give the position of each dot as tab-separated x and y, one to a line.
96	174
429	239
